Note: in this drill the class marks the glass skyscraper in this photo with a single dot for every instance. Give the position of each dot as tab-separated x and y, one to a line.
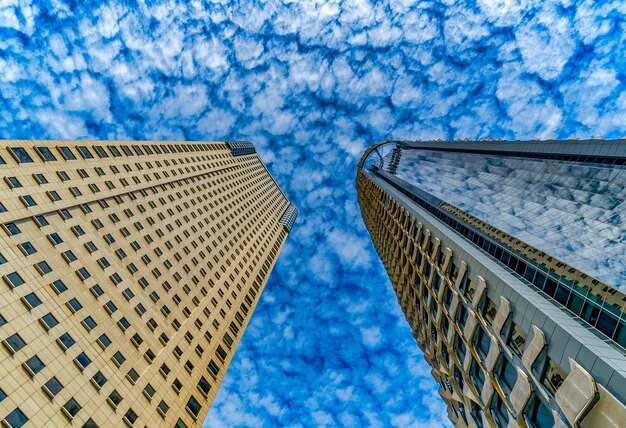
508	259
130	271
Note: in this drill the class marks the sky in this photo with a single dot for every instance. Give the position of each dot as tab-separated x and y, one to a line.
312	84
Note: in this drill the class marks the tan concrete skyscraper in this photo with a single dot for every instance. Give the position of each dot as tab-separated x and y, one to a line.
129	273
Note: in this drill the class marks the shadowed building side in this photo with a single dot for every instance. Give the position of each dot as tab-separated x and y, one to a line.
507	259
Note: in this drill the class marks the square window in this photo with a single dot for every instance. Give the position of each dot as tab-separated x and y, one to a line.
82	360
66	152
40	178
27	248
132	376
52	387
43	267
98	380
28	201
130	416
74	305
118	358
20	154
193	407
11	229
13	182
71	408
31	300
114	399
97	291
163	408
89	323
33	365
104	341
84	152
15	419
65	341
48	321
149	392
45	154
13	343
40	221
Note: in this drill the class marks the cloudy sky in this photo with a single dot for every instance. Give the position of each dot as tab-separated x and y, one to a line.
312	83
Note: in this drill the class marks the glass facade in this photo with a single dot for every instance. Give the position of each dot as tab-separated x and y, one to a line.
557	249
573	211
474	260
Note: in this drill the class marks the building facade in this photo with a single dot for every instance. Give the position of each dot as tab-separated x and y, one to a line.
129	273
508	259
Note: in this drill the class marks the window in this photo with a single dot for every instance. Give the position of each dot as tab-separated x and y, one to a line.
97	291
130	416
45	154
83	274
101	152
52	387
517	340
84	152
13	182
104	341
53	195
28	201
89	323
540	415
33	365
69	256
114	398
123	324
482	341
66	152
55	238
193	406
213	368
12	229
507	374
3	395
41	221
553	376
43	267
13	343
118	358
48	321
40	178
204	386
31	300
90	424
20	154
149	392
82	360
15	419
74	305
221	353
132	376
65	341
177	385
98	380
163	408
71	408
27	248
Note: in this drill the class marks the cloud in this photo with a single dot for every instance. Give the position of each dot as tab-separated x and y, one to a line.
313	83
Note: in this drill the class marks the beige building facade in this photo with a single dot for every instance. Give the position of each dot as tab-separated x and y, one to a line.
130	271
507	259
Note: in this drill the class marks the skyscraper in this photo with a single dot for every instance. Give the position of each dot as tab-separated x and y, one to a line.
508	259
129	273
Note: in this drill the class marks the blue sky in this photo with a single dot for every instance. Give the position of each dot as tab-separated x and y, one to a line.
312	83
